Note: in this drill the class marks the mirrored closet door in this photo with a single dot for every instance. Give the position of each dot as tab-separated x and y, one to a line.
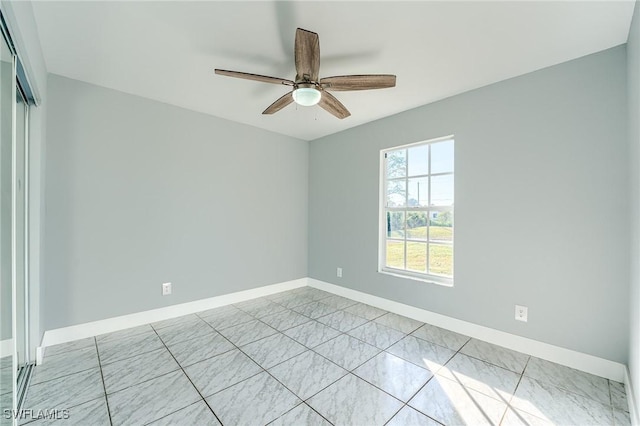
15	357
21	330
7	365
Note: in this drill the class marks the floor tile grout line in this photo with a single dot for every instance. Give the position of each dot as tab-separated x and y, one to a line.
301	403
45	355
190	381
167	339
145	380
312	350
404	404
411	362
63	376
509	406
144	351
235	324
565	390
292	309
207	358
345	369
507	403
466	389
433	375
105	336
233	384
351	371
184	323
280	362
31	383
492	363
69	408
172	413
307	349
104	386
570	391
236	347
270	375
385	391
48	357
66	375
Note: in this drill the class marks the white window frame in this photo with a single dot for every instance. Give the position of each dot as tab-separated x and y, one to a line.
382	218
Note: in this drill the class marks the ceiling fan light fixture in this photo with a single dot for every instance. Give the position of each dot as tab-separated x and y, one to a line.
306	96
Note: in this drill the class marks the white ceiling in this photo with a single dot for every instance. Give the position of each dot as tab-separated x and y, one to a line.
167	50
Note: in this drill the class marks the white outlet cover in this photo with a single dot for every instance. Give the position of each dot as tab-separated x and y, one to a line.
339	272
166	289
522	313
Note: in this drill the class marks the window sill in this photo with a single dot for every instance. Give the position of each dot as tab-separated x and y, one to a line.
430	279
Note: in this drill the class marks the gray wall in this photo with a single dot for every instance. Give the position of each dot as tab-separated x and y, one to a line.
139	193
541	205
633	90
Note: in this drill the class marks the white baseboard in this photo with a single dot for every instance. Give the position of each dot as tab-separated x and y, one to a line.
6	348
81	331
578	360
631	398
39	354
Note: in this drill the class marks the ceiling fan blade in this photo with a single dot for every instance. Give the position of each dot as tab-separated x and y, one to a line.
358	82
329	103
279	104
256	77
307	53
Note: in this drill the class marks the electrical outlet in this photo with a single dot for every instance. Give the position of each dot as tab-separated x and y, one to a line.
339	272
166	289
521	313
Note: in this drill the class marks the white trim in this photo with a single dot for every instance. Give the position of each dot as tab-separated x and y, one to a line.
578	360
383	208
633	409
417	276
89	329
39	355
6	348
423	142
26	236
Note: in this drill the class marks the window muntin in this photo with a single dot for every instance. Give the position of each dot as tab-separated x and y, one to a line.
417	210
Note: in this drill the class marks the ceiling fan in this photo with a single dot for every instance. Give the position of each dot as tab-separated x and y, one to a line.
308	89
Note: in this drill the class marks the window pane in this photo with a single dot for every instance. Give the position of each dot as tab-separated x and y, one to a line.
442	157
395	254
419	160
396	193
440	226
418	192
442	190
417	225
395	224
417	256
397	163
418	211
441	260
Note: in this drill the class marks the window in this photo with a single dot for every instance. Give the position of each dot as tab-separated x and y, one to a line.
417	194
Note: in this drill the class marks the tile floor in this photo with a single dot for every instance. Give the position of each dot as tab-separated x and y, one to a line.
6	379
309	357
